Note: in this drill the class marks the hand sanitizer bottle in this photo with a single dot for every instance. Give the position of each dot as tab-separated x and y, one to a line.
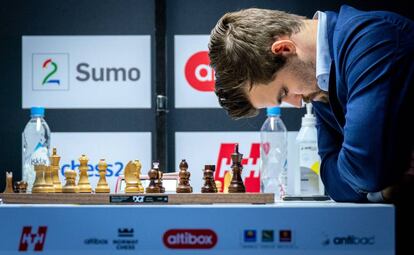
309	160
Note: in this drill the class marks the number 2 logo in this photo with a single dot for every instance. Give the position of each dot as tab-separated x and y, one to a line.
53	71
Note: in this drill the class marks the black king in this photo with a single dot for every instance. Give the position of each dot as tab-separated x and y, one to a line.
236	184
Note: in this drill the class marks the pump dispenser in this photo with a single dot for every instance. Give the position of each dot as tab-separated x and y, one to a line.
309	119
309	161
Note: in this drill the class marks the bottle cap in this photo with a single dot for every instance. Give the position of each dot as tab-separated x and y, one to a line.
272	111
309	119
37	111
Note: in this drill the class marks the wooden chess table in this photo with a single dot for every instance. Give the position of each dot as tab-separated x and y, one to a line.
137	198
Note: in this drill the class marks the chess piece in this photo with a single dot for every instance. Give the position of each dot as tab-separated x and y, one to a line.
236	184
138	173
20	187
219	186
209	184
83	183
48	180
159	182
39	185
153	174
102	186
160	174
132	177
184	175
227	180
9	183
70	185
54	165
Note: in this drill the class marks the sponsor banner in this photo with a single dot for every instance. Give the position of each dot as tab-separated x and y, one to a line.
86	71
194	78
190	239
215	148
116	148
348	240
292	228
32	240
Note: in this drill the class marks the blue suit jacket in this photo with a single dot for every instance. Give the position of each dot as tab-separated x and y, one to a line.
364	134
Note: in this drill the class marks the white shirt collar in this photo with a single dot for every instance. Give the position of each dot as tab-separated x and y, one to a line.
323	58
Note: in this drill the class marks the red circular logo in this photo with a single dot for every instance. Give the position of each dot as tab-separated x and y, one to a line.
199	73
190	238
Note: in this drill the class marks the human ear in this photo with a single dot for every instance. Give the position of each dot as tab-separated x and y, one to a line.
283	47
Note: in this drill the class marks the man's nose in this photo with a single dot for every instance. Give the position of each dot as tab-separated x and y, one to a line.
295	100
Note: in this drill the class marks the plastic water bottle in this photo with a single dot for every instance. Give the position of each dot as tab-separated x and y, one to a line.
309	160
36	145
273	154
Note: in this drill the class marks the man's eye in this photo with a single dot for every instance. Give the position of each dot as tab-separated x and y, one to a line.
284	93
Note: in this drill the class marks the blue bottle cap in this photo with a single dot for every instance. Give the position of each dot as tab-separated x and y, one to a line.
37	111
273	111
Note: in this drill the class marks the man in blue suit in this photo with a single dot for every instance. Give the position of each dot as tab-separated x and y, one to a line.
356	67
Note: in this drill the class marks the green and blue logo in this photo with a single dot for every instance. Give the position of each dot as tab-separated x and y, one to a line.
49	78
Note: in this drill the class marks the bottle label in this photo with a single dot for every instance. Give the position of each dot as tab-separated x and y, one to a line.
40	155
309	162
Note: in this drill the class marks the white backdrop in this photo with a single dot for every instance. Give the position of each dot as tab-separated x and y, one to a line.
116	148
194	88
76	61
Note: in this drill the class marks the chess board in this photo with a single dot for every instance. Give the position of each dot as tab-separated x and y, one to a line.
47	187
137	198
